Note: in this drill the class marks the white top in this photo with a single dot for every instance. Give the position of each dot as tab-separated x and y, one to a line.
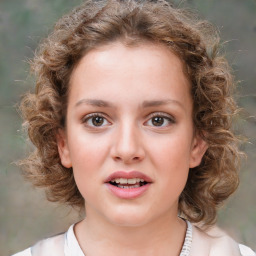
67	245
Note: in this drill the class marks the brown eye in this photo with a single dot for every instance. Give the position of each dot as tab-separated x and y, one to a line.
157	121
95	120
160	120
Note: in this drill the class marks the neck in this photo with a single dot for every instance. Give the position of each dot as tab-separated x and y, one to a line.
163	236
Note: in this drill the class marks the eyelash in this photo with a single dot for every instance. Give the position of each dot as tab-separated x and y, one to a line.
90	116
169	118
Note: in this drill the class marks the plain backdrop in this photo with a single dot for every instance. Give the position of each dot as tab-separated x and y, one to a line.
25	215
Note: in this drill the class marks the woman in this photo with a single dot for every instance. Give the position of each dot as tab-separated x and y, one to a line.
131	119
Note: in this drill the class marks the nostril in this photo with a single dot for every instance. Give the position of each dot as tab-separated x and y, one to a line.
118	158
127	156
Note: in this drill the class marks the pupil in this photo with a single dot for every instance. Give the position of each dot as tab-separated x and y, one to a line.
158	121
97	121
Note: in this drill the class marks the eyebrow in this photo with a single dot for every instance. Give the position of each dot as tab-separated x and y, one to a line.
95	102
155	103
145	104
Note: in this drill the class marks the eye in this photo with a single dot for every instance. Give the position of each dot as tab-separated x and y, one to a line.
160	120
95	120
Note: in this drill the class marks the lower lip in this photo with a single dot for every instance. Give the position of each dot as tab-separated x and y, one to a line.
128	193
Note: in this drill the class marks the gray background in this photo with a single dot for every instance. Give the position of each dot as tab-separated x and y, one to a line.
25	215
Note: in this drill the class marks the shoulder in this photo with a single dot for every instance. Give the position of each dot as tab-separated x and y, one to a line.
246	251
52	246
215	242
222	243
26	252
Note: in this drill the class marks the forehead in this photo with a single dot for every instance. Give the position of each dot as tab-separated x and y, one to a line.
157	53
143	70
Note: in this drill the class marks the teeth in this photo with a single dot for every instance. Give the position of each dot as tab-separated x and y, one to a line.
132	181
122	181
128	187
127	181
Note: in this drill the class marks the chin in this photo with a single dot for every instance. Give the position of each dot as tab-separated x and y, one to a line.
128	218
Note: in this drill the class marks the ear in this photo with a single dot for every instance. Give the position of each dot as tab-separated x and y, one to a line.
199	147
63	149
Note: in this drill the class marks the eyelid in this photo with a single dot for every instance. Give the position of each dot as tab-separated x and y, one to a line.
88	116
163	114
85	118
170	118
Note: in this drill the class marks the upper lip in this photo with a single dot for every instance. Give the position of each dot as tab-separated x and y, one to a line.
127	175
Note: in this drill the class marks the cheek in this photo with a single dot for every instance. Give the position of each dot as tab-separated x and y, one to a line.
171	159
87	160
172	151
87	154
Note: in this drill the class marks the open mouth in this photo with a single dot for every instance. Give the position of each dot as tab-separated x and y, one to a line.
128	183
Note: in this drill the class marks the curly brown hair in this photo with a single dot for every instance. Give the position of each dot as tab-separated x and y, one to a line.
98	22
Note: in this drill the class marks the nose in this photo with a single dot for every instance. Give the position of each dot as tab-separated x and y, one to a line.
127	145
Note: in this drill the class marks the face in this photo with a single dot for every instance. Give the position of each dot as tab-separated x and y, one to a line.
129	119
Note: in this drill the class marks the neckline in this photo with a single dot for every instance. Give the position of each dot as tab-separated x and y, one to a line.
185	251
72	247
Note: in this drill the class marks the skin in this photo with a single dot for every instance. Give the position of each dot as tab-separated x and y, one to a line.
128	138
